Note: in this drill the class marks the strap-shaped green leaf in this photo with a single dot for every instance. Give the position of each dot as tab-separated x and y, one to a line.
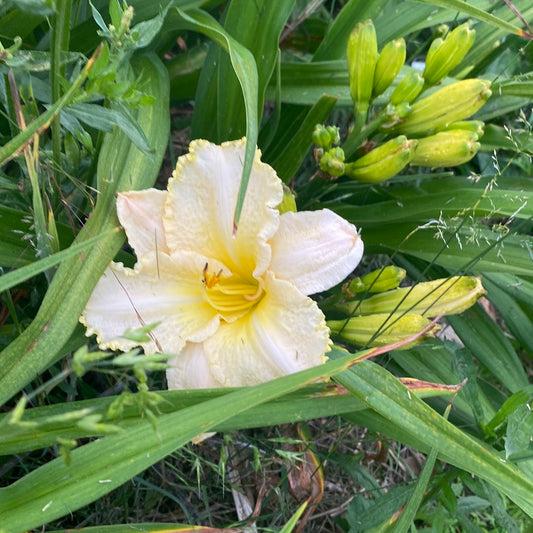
243	64
56	489
121	166
479	14
401	415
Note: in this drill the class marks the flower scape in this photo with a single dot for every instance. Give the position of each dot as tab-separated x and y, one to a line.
232	308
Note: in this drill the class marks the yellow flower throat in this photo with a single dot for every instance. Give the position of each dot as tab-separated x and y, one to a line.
231	296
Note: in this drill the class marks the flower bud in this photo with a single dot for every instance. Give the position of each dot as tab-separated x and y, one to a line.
475	126
362	56
360	330
446	149
408	89
431	298
332	162
334	134
382	162
325	136
383	279
452	103
289	201
389	63
394	114
442	59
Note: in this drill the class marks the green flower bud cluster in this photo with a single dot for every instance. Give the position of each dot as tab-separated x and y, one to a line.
330	158
445	54
382	162
326	136
412	128
395	314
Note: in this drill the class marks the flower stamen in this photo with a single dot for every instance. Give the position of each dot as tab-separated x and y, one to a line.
232	296
210	279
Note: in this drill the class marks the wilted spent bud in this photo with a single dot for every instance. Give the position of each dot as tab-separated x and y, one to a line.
325	136
408	89
452	103
389	63
332	162
289	201
449	296
382	162
446	149
382	329
362	56
442	59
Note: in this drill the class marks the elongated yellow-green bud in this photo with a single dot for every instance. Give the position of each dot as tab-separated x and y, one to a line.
446	149
442	59
433	47
289	201
360	330
382	162
431	298
452	103
408	89
332	162
389	63
475	126
362	56
381	280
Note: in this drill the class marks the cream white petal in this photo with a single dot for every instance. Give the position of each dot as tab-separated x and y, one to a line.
160	289
141	215
315	250
201	205
284	334
190	369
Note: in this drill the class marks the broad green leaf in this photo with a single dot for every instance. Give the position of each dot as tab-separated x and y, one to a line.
519	288
490	346
43	425
401	203
257	27
477	13
497	137
306	83
55	489
474	250
104	119
404	417
333	46
519	431
517	320
490	41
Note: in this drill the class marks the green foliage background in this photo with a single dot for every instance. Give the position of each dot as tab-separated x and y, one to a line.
101	103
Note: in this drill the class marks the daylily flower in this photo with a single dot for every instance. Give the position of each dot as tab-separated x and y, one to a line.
232	308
